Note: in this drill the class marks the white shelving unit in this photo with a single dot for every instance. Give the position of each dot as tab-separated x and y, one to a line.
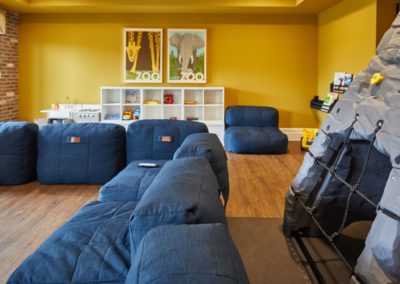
204	104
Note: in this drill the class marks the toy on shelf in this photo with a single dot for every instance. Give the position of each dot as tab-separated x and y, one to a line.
173	118
168	99
192	118
308	136
136	113
151	102
132	97
114	116
190	102
127	115
377	79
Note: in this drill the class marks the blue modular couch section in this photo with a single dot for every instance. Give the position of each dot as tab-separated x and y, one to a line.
203	253
254	130
131	183
18	152
92	247
99	244
84	153
158	139
208	146
184	192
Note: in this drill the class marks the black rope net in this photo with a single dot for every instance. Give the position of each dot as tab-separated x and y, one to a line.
354	189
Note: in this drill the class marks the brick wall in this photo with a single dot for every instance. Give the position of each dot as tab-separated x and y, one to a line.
9	69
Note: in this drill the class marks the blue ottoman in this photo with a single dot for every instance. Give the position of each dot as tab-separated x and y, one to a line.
18	151
158	139
254	130
83	153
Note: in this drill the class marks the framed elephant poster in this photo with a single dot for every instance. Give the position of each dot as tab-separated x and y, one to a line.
142	55
187	55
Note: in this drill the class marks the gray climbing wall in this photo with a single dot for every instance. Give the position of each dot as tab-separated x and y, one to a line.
380	260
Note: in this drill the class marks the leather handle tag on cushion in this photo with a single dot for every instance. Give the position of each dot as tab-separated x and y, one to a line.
166	139
74	139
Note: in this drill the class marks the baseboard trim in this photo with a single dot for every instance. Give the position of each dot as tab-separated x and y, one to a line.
293	134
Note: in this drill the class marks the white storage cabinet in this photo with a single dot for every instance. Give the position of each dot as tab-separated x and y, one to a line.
204	104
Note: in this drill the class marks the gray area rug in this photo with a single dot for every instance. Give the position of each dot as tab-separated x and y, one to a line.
270	257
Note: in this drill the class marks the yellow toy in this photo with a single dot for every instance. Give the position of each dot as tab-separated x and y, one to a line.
151	102
307	138
127	115
377	78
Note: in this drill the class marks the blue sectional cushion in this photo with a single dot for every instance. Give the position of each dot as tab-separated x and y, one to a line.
92	247
158	139
251	116
255	140
83	153
189	254
184	192
207	145
18	152
131	183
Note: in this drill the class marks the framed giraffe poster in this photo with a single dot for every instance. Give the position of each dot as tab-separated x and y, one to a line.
142	55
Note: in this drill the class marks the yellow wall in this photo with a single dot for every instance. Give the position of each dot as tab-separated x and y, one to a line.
386	13
261	60
346	40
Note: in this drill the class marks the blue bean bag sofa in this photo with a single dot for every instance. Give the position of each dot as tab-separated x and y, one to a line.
100	243
106	239
82	153
18	152
254	130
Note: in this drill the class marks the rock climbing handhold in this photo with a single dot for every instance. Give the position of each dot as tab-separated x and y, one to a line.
377	78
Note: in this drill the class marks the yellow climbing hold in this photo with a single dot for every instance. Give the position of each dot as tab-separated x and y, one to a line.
377	78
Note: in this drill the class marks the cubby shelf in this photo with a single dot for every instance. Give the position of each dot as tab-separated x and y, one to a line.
208	107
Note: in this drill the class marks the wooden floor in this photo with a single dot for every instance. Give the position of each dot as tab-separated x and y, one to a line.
258	183
29	213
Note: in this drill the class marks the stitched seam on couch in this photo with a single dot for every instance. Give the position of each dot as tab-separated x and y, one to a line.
179	137
193	273
25	158
153	144
116	210
61	154
141	190
108	249
141	257
200	191
102	282
140	183
89	162
157	213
